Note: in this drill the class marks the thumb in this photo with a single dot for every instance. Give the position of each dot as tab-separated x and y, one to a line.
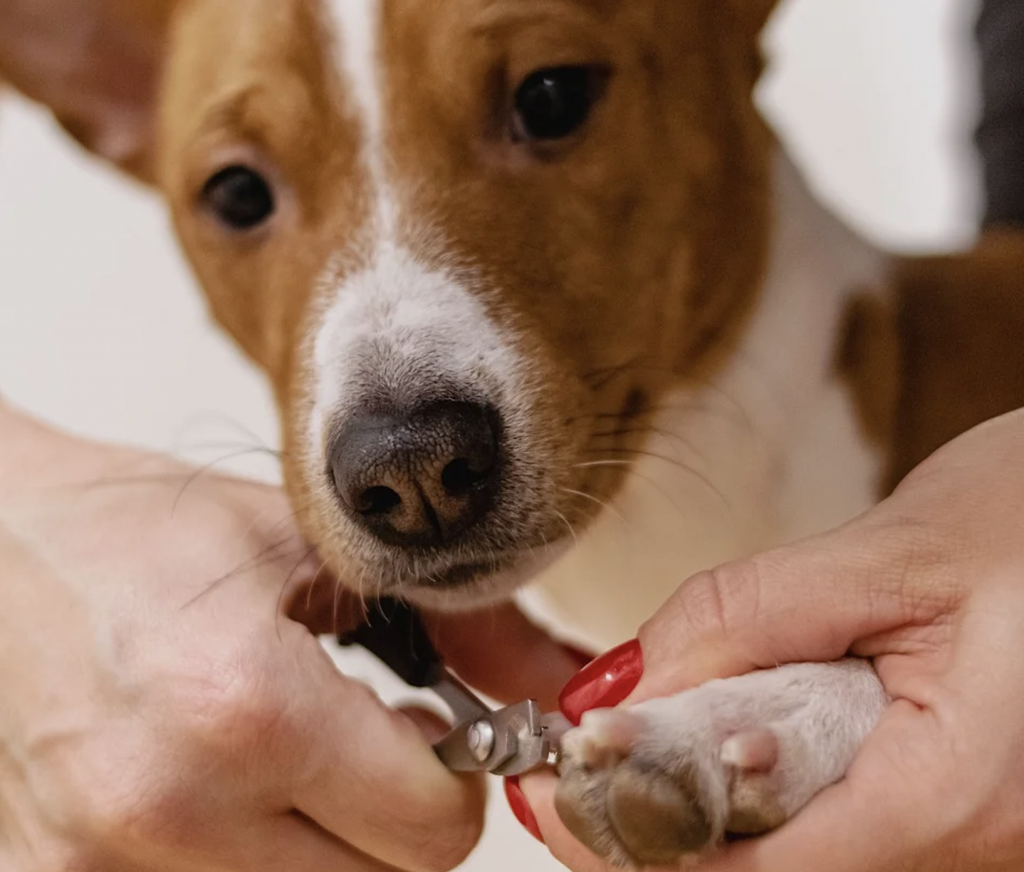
815	600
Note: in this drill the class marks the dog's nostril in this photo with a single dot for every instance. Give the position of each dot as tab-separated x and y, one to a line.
419	478
463	475
377	501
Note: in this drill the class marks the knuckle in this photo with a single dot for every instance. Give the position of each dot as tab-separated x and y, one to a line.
228	701
234	710
915	567
715	601
705	602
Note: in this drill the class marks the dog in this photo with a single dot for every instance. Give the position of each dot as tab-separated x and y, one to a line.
541	298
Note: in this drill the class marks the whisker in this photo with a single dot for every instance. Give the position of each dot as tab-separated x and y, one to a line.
253	565
602	503
118	481
676	403
591	463
206	467
228	423
706	386
309	591
264	557
636	452
572	530
647	431
285	519
631	469
683	467
309	594
360	591
284	587
232	446
336	602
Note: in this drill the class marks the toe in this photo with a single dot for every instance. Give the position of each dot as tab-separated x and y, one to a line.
656	817
603	738
751	751
750	758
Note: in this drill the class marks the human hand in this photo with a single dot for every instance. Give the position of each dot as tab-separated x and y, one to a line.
163	707
930	584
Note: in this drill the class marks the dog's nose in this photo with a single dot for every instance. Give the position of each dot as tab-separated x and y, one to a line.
422	478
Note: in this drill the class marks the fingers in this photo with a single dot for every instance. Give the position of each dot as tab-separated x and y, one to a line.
808	601
370	777
432	727
504	654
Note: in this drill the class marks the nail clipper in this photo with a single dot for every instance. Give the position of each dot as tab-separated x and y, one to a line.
507	741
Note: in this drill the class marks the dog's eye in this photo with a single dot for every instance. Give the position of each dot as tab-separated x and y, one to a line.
240	197
554	103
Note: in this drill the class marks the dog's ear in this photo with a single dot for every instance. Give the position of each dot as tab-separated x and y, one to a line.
95	63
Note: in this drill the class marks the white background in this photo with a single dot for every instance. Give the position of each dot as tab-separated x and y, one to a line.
101	329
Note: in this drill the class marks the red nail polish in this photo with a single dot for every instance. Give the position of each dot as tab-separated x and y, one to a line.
521	808
604	683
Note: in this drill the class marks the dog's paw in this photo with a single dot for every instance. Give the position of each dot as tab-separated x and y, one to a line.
649	785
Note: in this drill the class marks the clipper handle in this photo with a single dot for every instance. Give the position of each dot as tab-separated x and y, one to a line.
395	635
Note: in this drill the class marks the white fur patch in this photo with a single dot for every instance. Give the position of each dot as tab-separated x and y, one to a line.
394	326
358	29
400	331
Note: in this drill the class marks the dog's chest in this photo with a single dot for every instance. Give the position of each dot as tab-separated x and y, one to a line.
772	450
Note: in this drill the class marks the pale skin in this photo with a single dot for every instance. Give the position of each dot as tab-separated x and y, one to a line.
166	705
931	585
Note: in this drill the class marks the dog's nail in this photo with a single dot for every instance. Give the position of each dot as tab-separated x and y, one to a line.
603	683
521	808
605	738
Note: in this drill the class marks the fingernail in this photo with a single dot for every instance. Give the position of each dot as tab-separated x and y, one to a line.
603	683
521	808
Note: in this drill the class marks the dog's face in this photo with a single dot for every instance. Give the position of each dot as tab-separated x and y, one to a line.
472	242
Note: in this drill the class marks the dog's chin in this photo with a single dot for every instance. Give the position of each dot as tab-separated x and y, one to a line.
472	585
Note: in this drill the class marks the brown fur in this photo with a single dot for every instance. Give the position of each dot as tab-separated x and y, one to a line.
960	321
943	352
868	361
